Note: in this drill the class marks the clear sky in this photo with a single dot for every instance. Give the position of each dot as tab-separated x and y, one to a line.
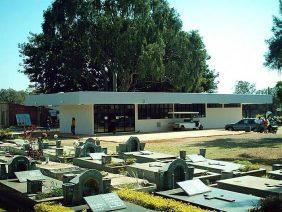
234	32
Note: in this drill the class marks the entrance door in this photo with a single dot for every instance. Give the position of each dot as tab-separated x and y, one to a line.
109	118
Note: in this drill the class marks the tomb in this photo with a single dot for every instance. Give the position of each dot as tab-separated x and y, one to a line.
164	175
276	172
230	169
88	183
148	156
57	170
133	144
90	146
257	186
194	192
102	162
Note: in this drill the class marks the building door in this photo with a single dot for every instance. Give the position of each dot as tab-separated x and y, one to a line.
110	118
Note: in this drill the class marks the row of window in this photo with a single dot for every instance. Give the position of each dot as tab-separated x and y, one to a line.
232	105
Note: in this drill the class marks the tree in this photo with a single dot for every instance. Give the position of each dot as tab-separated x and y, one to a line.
85	43
244	87
12	96
273	57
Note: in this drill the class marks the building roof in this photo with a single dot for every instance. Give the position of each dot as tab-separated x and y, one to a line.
97	97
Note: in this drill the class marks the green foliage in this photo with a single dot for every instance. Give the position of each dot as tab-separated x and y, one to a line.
55	192
268	204
247	165
273	57
85	43
244	87
154	202
12	96
49	207
4	133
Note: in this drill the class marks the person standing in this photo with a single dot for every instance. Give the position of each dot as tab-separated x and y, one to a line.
73	126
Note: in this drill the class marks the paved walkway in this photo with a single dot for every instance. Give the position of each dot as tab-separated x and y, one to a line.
168	135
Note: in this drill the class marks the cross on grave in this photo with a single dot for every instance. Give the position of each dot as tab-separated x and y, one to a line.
104	202
219	197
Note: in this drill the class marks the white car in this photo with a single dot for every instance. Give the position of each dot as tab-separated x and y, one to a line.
188	124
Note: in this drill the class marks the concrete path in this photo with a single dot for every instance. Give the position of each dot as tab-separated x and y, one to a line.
168	135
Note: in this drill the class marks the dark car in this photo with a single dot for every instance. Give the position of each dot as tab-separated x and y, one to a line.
244	124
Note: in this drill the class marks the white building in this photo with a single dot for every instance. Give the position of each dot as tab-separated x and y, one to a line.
142	111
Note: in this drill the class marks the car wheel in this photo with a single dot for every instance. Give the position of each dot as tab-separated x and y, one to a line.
230	129
182	127
201	127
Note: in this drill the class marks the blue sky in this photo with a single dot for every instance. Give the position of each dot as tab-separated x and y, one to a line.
234	32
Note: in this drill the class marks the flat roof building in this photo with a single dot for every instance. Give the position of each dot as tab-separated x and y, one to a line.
95	111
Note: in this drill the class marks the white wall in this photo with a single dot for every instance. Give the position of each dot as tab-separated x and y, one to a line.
83	115
219	117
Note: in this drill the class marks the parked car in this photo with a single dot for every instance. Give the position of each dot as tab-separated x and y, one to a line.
191	123
244	124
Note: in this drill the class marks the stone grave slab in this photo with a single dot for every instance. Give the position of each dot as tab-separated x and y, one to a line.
104	202
196	158
277	174
257	186
193	187
216	199
148	156
31	175
97	156
215	165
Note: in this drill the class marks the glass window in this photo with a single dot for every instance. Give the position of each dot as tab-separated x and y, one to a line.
201	108
214	105
154	111
232	105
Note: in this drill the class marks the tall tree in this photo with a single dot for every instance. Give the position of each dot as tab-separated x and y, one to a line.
273	57
12	96
85	43
245	87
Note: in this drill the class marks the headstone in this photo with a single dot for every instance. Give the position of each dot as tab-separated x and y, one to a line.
97	156
3	171
276	167
68	192
106	159
90	146
58	143
196	158
34	186
31	175
226	175
203	152
59	152
68	177
17	164
133	144
193	187
104	202
182	154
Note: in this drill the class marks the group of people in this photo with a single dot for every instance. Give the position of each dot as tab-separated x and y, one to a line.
264	124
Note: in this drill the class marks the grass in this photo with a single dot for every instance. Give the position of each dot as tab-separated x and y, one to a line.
258	148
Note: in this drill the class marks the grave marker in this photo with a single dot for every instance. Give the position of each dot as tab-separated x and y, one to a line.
97	156
196	158
194	187
31	175
105	202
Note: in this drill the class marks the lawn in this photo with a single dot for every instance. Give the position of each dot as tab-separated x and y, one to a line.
264	149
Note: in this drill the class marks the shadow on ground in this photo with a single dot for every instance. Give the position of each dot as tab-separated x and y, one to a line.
244	143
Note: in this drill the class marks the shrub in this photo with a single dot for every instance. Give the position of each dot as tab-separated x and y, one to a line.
269	204
49	207
154	202
56	192
247	165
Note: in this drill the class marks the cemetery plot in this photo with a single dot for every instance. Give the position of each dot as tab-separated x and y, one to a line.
257	186
105	202
193	187
277	174
215	199
147	156
31	175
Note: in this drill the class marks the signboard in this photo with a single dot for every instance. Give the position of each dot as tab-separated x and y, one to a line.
97	156
104	202
23	120
193	187
31	175
196	158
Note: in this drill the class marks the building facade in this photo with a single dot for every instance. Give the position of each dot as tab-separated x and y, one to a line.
97	112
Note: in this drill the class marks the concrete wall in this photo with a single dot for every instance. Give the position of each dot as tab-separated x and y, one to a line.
219	117
83	115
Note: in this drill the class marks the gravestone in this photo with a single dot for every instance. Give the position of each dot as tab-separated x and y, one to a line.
193	187
89	183
90	146
3	171
164	175
58	143
133	144
97	156
31	175
257	186
277	174
203	152
105	202
17	164
59	151
276	167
